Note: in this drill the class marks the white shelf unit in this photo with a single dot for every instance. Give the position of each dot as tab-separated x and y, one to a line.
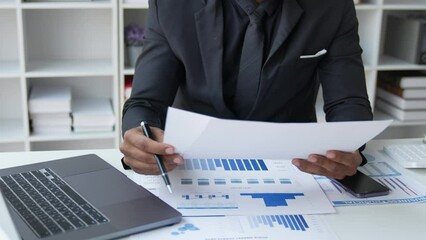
59	43
132	11
372	16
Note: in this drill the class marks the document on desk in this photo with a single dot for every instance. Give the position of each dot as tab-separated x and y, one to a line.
245	227
243	187
403	188
199	136
258	226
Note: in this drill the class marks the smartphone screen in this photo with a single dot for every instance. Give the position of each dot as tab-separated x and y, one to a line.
362	186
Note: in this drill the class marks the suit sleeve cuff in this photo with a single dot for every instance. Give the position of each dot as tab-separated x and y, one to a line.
125	166
364	159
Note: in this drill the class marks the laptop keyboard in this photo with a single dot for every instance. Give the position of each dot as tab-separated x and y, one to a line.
408	155
47	204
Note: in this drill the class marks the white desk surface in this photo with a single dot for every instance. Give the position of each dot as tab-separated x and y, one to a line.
395	221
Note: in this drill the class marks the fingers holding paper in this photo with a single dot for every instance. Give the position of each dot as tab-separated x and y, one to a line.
139	151
335	164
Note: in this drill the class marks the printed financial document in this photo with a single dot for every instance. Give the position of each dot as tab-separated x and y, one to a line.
403	189
258	226
199	136
205	187
272	227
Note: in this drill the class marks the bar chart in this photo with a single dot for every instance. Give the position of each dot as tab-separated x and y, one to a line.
290	222
273	199
224	164
243	186
403	189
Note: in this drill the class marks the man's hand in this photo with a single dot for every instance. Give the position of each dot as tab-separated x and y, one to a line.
139	151
334	164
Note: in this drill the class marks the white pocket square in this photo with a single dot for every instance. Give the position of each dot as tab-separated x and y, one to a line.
320	53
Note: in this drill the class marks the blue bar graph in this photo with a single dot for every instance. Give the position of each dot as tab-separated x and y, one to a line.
236	180
186	181
285	181
203	164
255	165
240	165
211	164
224	164
203	182
269	180
188	164
233	165
290	222
219	181
274	199
196	163
217	163
252	181
262	165
248	165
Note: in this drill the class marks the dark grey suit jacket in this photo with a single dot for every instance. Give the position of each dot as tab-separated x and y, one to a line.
183	50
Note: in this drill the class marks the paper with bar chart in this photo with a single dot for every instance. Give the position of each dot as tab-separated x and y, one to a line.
245	227
243	187
403	188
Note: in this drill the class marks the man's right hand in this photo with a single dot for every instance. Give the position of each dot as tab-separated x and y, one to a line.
139	151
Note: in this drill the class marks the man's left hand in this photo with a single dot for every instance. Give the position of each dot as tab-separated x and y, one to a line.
334	164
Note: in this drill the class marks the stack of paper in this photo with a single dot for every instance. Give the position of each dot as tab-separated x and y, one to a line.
49	108
92	115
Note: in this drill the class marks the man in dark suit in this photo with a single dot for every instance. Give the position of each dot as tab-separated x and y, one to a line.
251	60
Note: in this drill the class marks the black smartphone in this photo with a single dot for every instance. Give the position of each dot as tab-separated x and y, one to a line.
362	186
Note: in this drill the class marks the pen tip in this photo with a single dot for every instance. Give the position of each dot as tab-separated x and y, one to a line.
170	189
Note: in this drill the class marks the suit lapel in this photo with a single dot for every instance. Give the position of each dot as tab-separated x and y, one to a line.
290	16
209	24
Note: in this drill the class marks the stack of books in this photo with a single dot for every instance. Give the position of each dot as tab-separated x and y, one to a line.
49	109
402	95
92	115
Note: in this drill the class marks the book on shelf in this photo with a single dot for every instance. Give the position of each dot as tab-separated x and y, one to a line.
402	115
404	79
402	103
49	99
402	92
92	113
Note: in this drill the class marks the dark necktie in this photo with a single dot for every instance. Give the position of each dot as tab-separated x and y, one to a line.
250	65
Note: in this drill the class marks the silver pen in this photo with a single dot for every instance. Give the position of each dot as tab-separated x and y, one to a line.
147	131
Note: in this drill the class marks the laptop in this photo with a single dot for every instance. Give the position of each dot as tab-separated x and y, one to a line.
80	197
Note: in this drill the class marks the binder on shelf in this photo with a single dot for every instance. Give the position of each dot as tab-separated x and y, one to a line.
402	115
399	102
406	37
404	79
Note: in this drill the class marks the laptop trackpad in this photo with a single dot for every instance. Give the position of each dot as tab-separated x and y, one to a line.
106	187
